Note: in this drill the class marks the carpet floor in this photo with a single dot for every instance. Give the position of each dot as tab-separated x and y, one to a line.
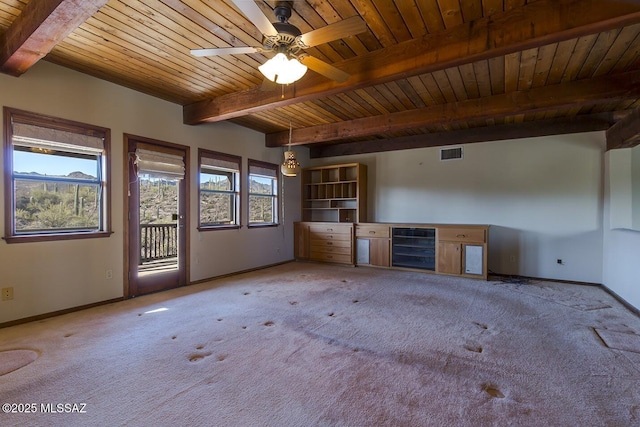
306	344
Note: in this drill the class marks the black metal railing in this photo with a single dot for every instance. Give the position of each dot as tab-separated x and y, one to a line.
158	241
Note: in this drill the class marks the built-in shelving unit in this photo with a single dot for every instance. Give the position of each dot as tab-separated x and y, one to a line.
336	193
413	248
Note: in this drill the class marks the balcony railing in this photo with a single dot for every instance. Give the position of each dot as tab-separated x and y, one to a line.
158	241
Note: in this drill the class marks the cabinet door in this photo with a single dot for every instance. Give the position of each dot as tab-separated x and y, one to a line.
379	252
449	257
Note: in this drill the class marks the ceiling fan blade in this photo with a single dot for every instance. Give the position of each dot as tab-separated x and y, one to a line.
252	11
224	51
338	30
323	68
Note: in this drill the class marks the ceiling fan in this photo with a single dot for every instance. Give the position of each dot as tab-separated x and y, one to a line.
288	43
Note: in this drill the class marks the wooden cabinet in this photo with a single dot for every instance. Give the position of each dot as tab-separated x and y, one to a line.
462	251
459	250
336	193
327	242
372	245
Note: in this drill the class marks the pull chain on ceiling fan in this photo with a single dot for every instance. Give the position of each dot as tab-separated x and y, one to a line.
288	43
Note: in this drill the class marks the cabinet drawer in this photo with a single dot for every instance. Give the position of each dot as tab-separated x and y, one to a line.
330	237
327	257
469	235
330	250
330	228
373	230
331	243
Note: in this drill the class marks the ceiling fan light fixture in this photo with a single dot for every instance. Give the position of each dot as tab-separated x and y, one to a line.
283	70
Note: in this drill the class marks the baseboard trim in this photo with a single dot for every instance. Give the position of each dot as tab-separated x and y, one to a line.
249	270
622	301
569	282
57	313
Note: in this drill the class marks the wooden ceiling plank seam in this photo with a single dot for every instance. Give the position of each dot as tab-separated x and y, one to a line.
393	19
491	7
421	90
358	99
618	49
454	75
410	94
39	27
128	68
217	25
376	24
434	89
483	77
140	39
393	102
630	57
528	60
412	59
471	10
374	94
470	80
497	74
139	85
313	20
546	54
367	40
358	108
597	53
431	15
578	93
410	12
115	47
371	100
579	56
560	61
404	93
511	71
130	54
446	89
451	13
159	17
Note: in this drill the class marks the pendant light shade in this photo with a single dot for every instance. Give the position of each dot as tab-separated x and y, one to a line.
290	166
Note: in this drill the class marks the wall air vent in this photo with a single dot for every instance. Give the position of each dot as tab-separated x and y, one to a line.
453	153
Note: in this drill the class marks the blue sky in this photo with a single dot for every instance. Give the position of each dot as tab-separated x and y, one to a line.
47	164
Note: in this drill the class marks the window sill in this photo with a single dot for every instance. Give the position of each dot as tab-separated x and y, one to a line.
54	237
219	227
262	225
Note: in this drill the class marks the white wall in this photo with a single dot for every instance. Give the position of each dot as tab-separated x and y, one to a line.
542	197
621	247
53	276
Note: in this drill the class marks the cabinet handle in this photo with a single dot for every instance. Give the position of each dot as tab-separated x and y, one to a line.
329	243
461	235
372	232
329	229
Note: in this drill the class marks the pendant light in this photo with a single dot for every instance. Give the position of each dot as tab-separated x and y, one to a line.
290	166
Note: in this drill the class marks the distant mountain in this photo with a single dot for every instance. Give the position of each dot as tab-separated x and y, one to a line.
74	175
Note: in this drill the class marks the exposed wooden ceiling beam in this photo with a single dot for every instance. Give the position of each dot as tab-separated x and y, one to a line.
625	133
574	94
41	25
587	123
536	24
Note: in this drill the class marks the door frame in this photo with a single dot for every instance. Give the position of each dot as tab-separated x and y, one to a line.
130	180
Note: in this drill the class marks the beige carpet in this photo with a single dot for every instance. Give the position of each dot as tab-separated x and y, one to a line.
306	344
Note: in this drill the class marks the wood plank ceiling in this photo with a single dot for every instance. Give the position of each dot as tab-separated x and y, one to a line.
425	72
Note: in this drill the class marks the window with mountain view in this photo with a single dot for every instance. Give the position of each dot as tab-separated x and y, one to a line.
219	186
55	176
263	193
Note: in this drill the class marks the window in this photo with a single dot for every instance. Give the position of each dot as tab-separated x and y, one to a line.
263	193
219	184
55	178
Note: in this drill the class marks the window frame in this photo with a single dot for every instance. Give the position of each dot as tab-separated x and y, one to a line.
12	115
236	191
274	195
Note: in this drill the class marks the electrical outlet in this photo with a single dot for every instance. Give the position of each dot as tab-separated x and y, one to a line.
108	274
7	293
559	261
